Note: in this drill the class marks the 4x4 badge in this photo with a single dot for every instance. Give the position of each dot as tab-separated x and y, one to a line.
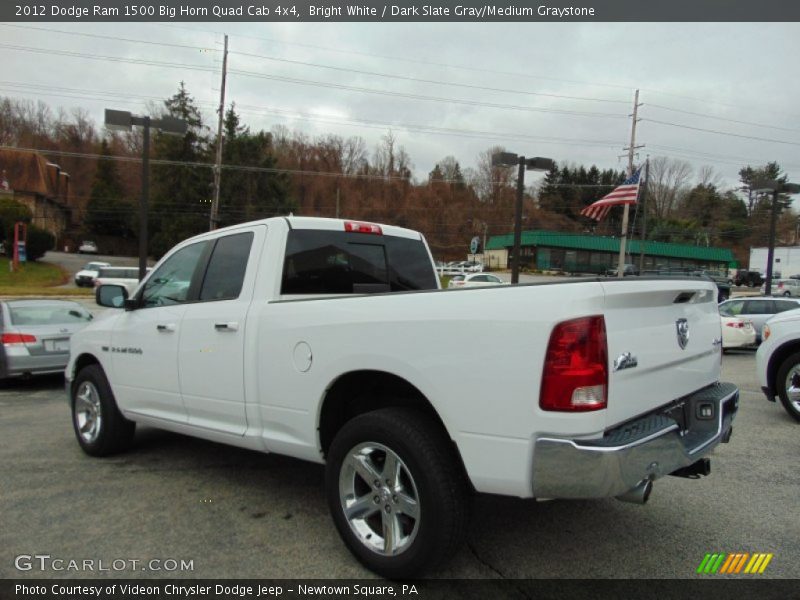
682	328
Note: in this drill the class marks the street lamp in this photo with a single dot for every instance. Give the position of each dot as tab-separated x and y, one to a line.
121	120
776	187
509	159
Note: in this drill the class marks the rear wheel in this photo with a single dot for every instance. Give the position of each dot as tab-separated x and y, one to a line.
396	492
99	426
788	384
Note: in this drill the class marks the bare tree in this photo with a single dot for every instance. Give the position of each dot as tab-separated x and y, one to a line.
669	182
488	181
708	177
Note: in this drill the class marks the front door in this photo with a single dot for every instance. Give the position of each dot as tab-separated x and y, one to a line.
144	343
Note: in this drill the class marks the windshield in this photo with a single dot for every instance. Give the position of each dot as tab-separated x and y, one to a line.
49	314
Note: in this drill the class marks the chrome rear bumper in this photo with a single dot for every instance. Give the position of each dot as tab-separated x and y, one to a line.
646	448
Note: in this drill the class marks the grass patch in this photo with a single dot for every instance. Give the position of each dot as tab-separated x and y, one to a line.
36	279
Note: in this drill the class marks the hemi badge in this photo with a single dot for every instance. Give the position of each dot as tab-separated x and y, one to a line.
625	361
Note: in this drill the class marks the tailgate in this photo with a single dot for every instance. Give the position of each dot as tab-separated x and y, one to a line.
672	331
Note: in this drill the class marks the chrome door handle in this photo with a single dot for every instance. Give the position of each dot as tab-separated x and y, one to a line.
168	328
229	326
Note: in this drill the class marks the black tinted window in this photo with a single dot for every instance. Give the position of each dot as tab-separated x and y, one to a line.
338	262
759	307
225	273
783	305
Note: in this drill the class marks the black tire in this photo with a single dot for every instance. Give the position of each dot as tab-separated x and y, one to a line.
112	432
429	467
787	366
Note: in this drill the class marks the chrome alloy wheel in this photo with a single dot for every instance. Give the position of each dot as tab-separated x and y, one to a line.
379	498
792	386
88	412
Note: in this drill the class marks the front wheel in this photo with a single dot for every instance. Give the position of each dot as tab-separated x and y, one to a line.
788	384
99	425
396	492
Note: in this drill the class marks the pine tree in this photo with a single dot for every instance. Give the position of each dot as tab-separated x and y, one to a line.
107	212
181	193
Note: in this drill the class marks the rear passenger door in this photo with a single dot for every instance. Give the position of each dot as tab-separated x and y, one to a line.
211	349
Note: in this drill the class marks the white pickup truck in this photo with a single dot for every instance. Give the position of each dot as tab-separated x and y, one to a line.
330	341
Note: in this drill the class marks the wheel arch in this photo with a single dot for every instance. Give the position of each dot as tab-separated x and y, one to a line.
358	392
84	360
776	360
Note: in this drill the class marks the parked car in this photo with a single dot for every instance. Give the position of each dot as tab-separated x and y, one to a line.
778	361
87	247
475	280
737	332
748	278
35	335
782	287
87	275
627	270
292	342
125	276
757	310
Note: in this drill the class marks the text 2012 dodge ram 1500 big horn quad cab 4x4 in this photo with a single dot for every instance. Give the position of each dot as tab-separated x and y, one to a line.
276	336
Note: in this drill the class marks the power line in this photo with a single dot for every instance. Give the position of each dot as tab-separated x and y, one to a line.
134	61
111	37
419	80
737	135
294	114
394	94
708	116
492	71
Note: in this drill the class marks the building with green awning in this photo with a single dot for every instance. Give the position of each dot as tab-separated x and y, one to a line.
579	253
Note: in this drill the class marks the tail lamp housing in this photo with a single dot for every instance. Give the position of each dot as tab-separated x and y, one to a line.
575	374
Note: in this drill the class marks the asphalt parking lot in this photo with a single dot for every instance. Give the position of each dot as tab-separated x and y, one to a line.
241	514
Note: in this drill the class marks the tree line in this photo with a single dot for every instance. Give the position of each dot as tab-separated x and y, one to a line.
277	172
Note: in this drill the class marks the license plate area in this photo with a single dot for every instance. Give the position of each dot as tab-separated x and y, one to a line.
60	345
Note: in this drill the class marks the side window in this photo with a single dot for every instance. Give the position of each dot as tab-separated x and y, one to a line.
758	307
170	283
783	305
731	309
226	268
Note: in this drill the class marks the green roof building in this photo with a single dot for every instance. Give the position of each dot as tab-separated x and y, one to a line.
579	253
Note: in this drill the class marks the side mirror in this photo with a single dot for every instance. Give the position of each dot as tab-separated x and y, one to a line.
111	296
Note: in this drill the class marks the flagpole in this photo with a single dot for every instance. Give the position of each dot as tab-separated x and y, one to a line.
631	150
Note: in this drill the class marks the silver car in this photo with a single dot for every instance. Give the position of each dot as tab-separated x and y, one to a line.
757	310
35	334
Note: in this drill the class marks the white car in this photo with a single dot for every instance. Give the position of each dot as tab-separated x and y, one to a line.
87	275
87	247
475	280
778	361
737	332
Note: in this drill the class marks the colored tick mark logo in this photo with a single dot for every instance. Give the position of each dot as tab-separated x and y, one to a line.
734	564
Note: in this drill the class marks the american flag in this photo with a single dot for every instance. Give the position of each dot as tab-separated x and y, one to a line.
625	193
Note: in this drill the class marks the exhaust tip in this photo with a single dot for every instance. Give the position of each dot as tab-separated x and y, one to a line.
638	495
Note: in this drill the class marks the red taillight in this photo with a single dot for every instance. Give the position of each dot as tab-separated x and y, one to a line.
17	338
360	227
575	374
735	324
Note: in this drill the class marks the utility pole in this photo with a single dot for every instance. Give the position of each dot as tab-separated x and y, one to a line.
212	224
144	200
337	200
644	213
518	221
631	151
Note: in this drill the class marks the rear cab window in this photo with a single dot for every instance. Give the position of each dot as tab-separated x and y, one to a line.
340	262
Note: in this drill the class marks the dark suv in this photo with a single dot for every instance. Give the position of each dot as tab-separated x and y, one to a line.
748	278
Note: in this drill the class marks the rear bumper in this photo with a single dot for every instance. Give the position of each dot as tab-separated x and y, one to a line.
16	366
646	448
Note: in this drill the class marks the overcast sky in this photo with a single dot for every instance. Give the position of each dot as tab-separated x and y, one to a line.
730	72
